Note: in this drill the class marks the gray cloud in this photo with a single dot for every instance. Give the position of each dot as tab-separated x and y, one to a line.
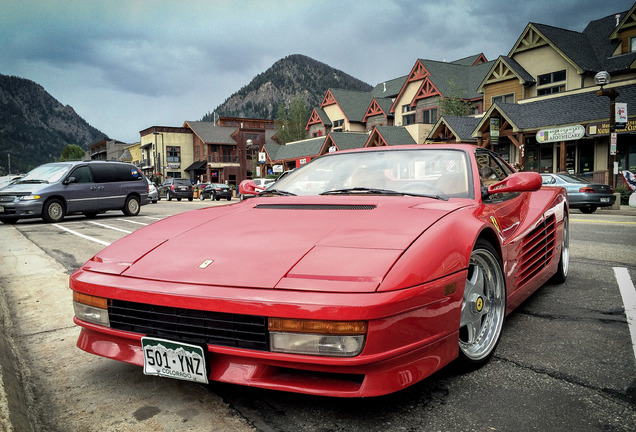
128	65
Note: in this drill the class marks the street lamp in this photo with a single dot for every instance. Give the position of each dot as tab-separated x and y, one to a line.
158	152
603	78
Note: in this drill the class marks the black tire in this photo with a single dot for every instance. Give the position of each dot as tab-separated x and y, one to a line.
53	211
132	206
229	198
588	210
564	259
190	198
483	307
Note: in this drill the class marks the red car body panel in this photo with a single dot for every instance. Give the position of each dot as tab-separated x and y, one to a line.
405	276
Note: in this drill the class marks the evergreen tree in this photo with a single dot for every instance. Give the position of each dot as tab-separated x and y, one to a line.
454	105
290	123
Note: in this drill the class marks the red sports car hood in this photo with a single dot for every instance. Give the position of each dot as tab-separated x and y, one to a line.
327	243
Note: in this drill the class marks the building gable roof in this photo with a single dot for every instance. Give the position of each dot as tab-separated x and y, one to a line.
353	103
461	127
209	133
346	140
290	151
503	69
390	136
378	106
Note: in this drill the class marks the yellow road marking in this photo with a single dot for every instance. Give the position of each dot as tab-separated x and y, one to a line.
603	221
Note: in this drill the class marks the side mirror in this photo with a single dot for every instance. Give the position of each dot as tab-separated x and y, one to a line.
69	180
248	187
517	182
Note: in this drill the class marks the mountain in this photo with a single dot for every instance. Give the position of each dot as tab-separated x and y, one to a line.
291	76
35	127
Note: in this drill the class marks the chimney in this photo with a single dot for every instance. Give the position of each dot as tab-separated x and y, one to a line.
618	19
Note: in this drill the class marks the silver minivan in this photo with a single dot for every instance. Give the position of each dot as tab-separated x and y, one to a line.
54	190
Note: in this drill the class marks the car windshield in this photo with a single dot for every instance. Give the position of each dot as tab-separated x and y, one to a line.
429	172
49	173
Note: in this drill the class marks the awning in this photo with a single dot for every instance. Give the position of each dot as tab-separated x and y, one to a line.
197	166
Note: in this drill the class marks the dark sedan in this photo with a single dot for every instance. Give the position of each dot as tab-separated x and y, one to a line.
582	194
216	191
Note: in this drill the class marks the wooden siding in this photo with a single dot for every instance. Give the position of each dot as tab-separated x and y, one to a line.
502	88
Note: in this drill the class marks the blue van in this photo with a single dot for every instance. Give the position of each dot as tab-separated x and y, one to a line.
54	190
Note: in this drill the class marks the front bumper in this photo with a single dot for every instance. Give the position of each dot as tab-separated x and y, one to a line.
411	334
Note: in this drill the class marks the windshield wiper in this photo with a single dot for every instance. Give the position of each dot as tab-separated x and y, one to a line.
374	191
275	192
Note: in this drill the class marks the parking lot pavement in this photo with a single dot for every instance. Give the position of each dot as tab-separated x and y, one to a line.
48	384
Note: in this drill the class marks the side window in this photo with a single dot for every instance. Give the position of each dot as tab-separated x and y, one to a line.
491	170
548	180
82	174
103	173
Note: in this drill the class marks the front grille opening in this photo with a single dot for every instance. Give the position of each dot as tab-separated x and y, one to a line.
190	325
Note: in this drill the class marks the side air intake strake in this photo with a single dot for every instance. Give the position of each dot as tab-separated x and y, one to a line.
536	250
314	207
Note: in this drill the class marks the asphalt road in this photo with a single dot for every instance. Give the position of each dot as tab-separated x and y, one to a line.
565	362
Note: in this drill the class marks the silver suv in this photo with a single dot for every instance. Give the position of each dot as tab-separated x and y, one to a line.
54	190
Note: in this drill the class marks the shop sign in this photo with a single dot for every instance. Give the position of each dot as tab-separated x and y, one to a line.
302	161
262	157
278	168
599	129
174	165
567	133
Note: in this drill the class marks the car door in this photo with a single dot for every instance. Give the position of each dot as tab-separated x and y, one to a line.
80	191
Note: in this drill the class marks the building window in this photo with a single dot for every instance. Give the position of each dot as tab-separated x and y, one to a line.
551	78
337	125
408	115
317	134
507	98
173	154
632	44
429	115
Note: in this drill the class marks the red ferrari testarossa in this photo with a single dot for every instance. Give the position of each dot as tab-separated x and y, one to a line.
358	274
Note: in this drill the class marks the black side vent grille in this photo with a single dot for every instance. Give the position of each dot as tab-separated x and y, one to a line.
188	325
537	250
314	207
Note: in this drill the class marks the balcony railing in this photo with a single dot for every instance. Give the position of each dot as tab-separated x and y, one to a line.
217	158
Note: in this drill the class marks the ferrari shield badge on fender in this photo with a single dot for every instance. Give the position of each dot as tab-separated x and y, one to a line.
494	222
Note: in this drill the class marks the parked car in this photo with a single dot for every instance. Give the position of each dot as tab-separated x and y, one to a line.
153	195
261	185
176	188
582	194
55	190
9	179
216	191
399	265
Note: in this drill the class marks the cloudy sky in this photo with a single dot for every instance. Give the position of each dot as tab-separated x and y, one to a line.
125	65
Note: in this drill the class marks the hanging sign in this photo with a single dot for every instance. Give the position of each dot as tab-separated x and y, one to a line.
621	115
566	133
494	130
262	157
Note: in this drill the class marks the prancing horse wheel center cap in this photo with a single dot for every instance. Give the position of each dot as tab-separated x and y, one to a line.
479	303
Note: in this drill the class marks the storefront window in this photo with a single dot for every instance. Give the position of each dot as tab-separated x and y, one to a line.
547	158
586	158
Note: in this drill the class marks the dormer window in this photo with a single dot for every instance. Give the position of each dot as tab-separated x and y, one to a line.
546	83
337	125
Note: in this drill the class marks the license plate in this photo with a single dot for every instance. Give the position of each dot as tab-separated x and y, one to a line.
182	188
174	360
604	199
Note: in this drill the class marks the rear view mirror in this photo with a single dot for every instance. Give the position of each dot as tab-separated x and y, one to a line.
517	182
69	180
248	187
